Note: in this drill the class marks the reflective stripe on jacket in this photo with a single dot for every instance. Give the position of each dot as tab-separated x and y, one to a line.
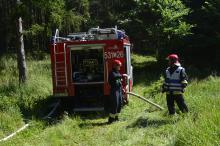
173	81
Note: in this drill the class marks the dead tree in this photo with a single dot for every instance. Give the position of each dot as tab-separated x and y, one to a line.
22	67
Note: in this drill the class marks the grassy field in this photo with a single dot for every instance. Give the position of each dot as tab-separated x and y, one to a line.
140	124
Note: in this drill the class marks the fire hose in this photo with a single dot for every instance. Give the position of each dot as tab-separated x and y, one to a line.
146	100
57	104
26	125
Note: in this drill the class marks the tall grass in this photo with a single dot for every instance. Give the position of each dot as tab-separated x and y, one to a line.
18	101
201	127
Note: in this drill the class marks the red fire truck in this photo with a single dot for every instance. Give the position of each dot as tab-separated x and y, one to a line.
81	63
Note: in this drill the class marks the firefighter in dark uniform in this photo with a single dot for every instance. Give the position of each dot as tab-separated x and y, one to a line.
175	82
115	101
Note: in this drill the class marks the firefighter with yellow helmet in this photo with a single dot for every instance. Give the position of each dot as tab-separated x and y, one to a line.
115	101
174	85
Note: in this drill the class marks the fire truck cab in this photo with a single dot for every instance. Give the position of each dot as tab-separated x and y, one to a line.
81	63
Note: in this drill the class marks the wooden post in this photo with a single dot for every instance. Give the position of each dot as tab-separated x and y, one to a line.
21	54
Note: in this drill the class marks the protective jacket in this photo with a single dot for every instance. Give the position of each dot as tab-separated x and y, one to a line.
115	94
115	80
175	80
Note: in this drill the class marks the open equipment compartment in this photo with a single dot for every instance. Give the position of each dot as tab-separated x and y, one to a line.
87	64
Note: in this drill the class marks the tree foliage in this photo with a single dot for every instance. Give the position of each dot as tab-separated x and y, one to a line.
154	26
204	44
40	19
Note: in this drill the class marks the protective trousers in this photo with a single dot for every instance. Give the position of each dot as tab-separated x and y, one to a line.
115	103
180	102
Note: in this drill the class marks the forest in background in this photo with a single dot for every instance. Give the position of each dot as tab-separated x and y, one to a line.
157	27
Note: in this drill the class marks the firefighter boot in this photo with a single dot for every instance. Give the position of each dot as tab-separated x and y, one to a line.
116	118
110	120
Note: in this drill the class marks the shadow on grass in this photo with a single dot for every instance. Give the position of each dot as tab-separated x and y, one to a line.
201	73
147	72
43	107
145	122
92	125
40	108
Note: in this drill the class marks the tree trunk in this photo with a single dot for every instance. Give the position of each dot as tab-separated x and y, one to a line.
21	54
